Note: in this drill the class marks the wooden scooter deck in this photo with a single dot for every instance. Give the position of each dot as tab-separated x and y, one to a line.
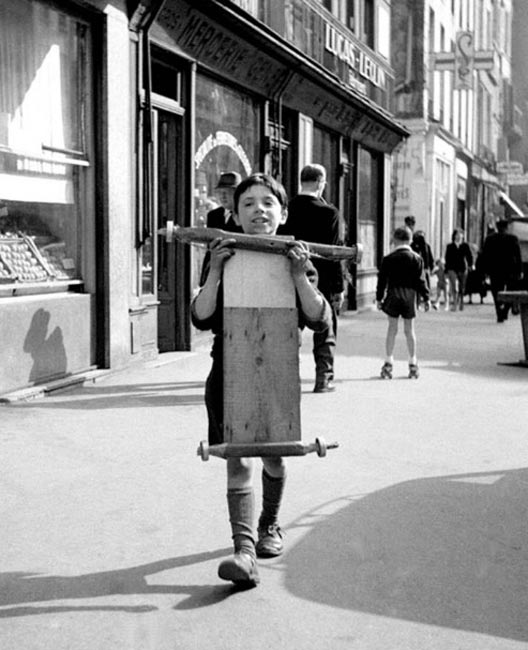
262	389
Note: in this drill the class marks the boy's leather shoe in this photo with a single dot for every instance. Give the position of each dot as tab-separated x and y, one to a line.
323	386
269	541
240	568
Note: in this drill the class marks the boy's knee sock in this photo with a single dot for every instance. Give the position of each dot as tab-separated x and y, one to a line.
272	490
241	507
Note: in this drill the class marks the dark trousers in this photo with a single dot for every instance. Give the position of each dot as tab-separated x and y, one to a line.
214	402
324	344
499	283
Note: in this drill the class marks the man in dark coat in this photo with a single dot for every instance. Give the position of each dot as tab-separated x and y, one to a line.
222	217
311	218
501	260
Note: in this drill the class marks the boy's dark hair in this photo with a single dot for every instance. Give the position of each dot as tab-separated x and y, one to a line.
410	221
402	234
266	180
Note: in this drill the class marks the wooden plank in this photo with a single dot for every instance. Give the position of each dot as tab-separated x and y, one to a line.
256	279
261	375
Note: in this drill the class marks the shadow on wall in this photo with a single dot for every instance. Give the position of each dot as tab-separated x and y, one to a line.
48	352
448	551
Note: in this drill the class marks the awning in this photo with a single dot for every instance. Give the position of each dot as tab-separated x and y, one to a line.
511	203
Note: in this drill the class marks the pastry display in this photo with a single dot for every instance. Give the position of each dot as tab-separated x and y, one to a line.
19	257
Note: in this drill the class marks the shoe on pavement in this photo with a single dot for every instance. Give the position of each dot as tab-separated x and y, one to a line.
240	568
414	371
324	385
386	370
269	541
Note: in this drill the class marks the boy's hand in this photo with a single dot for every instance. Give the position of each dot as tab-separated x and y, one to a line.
298	256
220	250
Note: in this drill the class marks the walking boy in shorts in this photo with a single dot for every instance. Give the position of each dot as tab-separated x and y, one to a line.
401	279
260	206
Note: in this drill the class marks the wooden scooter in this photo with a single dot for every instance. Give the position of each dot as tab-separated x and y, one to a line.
262	390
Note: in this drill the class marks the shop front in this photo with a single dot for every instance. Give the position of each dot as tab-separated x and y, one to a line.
257	103
48	293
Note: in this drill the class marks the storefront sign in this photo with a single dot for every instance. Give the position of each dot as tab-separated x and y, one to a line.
510	167
212	45
517	179
356	59
340	115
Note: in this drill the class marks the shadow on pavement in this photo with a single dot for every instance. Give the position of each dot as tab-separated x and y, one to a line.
19	588
448	551
106	396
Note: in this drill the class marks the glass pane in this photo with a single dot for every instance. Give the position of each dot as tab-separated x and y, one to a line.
39	239
368	183
42	108
325	154
41	78
227	128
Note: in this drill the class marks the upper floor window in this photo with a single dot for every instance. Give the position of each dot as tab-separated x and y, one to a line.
368	23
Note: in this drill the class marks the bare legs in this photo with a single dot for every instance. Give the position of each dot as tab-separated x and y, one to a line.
410	337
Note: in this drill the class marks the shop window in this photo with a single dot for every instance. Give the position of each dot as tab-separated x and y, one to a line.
227	139
44	91
369	183
325	152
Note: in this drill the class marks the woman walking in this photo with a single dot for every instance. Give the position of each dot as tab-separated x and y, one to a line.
458	262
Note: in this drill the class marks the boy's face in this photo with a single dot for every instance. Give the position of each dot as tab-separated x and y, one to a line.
259	211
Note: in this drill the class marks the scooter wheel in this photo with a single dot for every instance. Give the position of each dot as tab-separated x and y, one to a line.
203	450
320	446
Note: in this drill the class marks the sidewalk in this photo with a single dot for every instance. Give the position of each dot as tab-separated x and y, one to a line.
411	535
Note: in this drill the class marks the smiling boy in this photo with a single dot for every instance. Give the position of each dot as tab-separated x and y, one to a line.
260	208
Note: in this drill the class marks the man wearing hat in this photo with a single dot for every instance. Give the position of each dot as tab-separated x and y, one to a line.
222	217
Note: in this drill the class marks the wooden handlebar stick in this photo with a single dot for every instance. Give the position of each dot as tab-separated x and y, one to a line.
264	243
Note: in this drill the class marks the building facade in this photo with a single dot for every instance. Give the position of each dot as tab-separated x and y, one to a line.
453	72
116	117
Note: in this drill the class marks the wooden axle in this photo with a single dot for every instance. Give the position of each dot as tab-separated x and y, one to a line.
249	449
264	243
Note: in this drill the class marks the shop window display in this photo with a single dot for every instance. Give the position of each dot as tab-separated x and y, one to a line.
43	159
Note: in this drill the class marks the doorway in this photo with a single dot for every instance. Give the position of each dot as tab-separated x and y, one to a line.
172	258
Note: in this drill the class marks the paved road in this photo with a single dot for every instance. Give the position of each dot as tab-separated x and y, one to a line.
412	535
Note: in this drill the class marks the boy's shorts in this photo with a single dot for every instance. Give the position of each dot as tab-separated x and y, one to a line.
400	301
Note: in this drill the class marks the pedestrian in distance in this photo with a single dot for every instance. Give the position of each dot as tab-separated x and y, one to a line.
442	291
401	279
410	222
458	262
222	217
420	246
501	261
311	218
260	207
